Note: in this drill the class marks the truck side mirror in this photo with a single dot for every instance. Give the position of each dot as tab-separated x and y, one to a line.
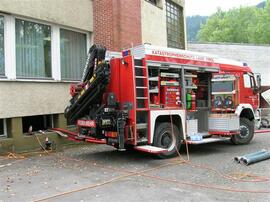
259	80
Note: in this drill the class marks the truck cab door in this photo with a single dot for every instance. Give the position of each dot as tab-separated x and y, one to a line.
250	93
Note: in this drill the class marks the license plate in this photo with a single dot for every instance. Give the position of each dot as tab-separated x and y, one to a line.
86	123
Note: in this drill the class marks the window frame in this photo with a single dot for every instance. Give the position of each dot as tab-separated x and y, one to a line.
249	78
223	82
172	13
40	23
49	124
158	3
86	45
10	49
4	135
4	75
247	81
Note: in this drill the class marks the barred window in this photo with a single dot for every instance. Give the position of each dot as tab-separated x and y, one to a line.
175	25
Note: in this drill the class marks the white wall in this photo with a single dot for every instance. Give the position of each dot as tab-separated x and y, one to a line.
26	98
154	29
72	13
154	23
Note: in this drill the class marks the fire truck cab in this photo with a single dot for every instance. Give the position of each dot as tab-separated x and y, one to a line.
153	99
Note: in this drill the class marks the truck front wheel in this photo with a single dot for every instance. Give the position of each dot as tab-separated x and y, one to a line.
167	136
246	132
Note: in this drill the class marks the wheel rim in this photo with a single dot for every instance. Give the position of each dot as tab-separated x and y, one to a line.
244	131
167	141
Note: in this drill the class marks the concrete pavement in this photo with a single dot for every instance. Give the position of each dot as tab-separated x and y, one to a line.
100	173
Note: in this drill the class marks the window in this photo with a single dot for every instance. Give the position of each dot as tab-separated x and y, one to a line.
153	1
247	81
3	129
41	122
73	54
222	86
40	51
175	25
2	56
157	3
33	49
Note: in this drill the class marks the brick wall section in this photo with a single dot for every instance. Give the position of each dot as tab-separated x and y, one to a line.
103	26
117	24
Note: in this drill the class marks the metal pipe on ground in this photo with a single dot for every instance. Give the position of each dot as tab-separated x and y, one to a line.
238	158
256	158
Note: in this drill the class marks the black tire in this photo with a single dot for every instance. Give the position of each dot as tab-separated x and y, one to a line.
129	147
168	138
246	132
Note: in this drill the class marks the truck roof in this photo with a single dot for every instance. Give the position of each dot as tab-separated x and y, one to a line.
186	57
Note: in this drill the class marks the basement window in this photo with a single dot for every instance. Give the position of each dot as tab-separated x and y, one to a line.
153	2
157	3
41	122
3	128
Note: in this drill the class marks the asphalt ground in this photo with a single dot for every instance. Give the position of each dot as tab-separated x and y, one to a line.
100	173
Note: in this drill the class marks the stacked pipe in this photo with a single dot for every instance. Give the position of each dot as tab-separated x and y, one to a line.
253	157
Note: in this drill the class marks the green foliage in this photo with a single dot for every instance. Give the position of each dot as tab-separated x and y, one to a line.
238	25
194	24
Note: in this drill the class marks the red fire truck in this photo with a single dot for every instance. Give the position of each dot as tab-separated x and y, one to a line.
153	99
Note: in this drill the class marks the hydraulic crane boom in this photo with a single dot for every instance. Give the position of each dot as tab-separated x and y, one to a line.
87	96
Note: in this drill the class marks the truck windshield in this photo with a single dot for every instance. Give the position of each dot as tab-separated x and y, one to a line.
222	86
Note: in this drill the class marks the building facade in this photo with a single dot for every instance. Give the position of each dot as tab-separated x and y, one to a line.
43	47
123	24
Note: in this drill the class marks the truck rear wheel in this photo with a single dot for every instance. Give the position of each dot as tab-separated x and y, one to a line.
246	132
167	136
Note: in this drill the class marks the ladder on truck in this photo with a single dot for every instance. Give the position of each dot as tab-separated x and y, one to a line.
142	101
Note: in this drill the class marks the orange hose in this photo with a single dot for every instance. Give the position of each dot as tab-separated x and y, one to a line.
143	173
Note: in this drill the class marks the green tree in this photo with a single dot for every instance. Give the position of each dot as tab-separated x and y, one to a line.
261	35
194	24
238	25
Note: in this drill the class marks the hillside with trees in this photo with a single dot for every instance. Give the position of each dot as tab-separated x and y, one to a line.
238	25
194	24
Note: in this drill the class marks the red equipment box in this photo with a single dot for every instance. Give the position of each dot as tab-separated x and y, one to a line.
171	96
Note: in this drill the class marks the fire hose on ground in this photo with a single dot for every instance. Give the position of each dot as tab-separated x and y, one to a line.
253	157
